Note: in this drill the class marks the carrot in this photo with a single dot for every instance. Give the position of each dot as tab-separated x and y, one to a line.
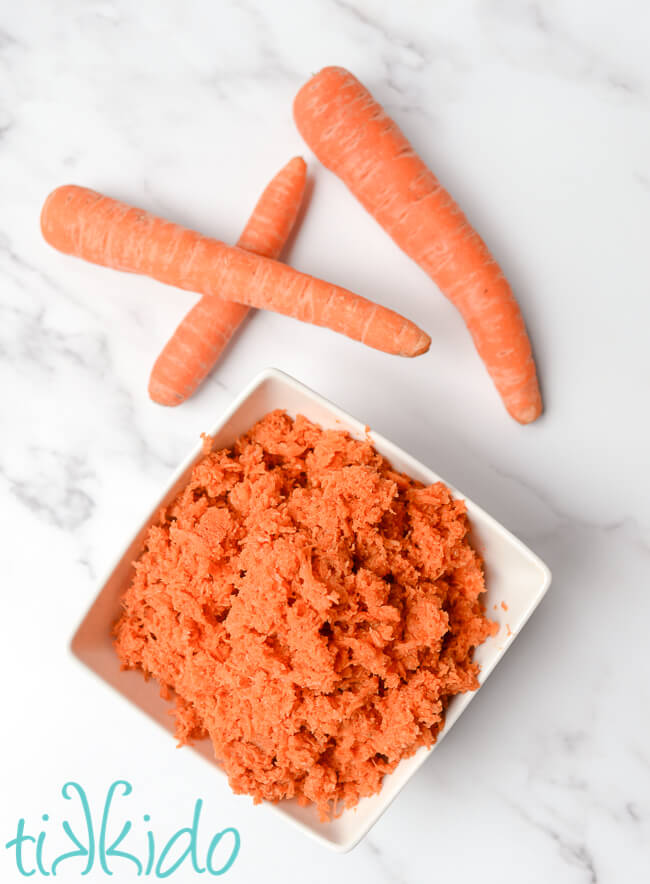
200	339
352	135
102	230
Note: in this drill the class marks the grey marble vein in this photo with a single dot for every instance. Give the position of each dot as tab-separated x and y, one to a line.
573	852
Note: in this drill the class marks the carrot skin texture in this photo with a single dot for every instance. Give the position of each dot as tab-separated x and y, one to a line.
352	135
203	334
81	222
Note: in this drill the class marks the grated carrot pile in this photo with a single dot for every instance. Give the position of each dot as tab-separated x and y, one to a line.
312	610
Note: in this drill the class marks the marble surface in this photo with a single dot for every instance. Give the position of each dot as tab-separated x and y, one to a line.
537	118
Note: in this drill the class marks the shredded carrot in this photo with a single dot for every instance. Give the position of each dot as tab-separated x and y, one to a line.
313	610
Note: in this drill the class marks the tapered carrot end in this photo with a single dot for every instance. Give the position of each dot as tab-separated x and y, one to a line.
528	414
411	342
163	394
295	172
526	407
297	165
421	345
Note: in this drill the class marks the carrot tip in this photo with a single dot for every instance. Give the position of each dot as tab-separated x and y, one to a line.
527	414
424	342
164	395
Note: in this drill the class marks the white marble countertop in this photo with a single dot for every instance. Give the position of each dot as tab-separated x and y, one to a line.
536	117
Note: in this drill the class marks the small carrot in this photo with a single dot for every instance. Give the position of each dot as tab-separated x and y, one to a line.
203	334
352	135
102	230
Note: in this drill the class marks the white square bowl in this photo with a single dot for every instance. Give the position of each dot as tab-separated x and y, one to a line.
514	575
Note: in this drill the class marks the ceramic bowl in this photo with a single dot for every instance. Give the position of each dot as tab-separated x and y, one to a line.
514	575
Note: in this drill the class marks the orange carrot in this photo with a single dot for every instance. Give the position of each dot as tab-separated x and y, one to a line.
200	339
352	135
84	223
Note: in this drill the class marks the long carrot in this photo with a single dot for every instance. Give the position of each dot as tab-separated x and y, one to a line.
352	135
203	334
102	230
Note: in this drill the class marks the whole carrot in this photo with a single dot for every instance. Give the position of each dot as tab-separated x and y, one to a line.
203	334
102	230
352	135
